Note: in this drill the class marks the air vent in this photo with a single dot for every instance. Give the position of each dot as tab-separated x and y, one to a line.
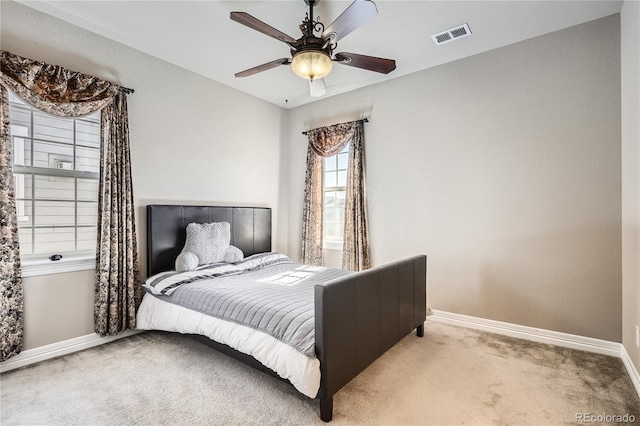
451	34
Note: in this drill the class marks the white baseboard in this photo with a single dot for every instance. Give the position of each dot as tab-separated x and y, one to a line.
566	340
631	369
42	353
530	333
550	337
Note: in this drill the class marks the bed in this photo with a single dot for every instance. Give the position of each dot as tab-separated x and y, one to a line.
356	317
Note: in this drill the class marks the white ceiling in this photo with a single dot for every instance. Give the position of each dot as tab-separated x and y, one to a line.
199	36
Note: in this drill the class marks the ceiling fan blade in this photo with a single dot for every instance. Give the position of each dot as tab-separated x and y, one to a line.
317	87
263	67
356	15
256	24
371	63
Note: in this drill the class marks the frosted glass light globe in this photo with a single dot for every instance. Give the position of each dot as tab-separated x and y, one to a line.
311	64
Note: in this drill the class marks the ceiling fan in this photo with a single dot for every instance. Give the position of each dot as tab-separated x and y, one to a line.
311	54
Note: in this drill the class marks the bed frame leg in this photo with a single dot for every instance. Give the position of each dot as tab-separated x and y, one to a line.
326	409
420	330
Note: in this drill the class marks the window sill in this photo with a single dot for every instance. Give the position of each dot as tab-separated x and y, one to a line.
34	268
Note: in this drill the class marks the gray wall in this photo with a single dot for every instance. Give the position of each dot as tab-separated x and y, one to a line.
191	142
506	165
630	56
504	168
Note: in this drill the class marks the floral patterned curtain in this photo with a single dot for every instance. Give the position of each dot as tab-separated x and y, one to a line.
53	89
65	93
312	210
355	251
117	293
325	142
11	292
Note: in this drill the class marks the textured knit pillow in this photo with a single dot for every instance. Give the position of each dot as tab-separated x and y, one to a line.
186	261
233	255
208	241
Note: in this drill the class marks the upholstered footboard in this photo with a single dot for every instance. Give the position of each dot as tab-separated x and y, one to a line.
361	316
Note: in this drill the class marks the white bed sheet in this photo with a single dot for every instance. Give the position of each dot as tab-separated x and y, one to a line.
303	372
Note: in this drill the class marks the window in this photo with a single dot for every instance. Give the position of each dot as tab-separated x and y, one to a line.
56	166
335	188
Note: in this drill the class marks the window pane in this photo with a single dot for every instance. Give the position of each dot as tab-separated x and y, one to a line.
87	189
330	163
342	178
329	206
87	237
22	185
88	160
24	212
51	128
87	213
19	116
16	100
52	155
343	161
329	229
346	148
88	132
340	230
54	188
54	240
333	231
55	213
24	236
340	198
330	179
21	151
329	214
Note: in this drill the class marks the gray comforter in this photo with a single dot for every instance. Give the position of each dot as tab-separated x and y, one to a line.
266	292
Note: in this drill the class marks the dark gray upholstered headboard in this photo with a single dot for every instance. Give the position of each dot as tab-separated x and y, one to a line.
166	230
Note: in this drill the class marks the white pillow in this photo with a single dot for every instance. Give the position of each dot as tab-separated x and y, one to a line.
208	241
186	261
233	255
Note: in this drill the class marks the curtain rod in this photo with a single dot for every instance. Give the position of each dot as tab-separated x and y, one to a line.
126	90
364	120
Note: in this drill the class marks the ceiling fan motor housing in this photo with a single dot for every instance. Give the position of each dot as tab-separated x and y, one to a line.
311	55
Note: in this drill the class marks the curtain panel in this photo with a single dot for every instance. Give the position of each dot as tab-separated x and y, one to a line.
312	210
355	251
117	293
65	93
325	142
11	290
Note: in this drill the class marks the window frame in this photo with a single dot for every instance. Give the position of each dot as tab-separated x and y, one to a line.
35	264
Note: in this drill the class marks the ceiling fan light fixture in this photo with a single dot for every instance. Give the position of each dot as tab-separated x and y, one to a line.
311	64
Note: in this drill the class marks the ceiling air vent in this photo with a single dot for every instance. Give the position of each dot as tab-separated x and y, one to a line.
451	34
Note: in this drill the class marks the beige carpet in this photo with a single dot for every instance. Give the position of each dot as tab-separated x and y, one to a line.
452	376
